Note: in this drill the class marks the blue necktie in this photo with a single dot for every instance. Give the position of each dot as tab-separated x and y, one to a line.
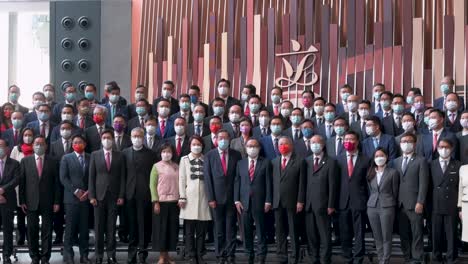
80	157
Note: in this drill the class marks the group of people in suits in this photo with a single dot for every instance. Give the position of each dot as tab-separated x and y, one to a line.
272	171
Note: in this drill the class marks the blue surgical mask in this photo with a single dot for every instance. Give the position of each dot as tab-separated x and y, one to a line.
307	132
185	106
17	123
2	153
296	120
223	144
254	108
43	117
444	88
398	109
140	110
198	117
70	97
426	120
89	95
218	110
276	129
339	131
329	116
14	97
377	95
385	104
194	99
316	148
410	100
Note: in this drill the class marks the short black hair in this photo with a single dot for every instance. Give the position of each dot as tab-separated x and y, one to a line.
82	137
195	87
223	80
171	83
108	131
251	87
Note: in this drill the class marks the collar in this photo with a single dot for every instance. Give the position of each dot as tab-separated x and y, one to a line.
198	123
78	154
144	117
4	160
181	137
408	155
442	159
377	136
451	112
319	156
221	151
117	134
192	157
37	156
65	140
355	154
254	159
288	157
438	132
162	119
45	123
107	151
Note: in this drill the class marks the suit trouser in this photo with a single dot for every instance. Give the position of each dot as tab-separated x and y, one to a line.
444	227
381	221
287	223
21	223
77	224
319	235
7	215
195	232
139	219
352	222
411	226
46	232
249	217
224	217
58	221
105	216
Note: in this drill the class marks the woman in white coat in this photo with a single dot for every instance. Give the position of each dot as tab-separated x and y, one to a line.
193	200
463	201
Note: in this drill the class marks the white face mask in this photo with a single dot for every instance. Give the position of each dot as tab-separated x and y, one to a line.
432	123
370	131
27	139
252	152
444	152
137	142
380	161
264	121
408	126
196	149
451	105
234	117
166	94
68	117
223	91
286	112
180	130
363	113
139	96
107	144
65	133
464	122
319	109
166	156
352	106
407	147
49	95
163	111
151	130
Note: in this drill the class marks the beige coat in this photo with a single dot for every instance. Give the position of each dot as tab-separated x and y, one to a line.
193	190
463	200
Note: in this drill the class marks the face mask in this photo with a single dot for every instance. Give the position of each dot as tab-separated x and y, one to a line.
89	95
139	96
39	150
196	149
151	130
215	128
376	95
275	129
79	148
370	131
27	139
17	123
319	109
223	91
463	123
37	103
137	142
245	130
114	98
2	153
307	132
70	97
407	147
296	120
98	119
398	109
223	144
254	108
380	161
163	111
451	105
444	88
284	149
84	110
65	133
166	156
385	104
252	152
426	120
275	99
234	118
410	100
264	120
432	123
316	148
49	95
306	102
349	146
352	106
329	116
194	99
408	126
244	97
179	130
419	106
166	94
198	117
363	113
344	96
444	152
118	127
286	112
339	130
68	117
185	106
106	143
140	110
14	97
44	117
218	111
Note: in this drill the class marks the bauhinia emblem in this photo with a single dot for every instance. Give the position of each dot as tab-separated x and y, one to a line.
302	71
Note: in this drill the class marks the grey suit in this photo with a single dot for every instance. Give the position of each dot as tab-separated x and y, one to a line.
239	145
414	184
383	198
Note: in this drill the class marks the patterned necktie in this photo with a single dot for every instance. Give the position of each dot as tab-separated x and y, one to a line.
142	122
434	142
252	169
197	130
376	142
81	122
80	158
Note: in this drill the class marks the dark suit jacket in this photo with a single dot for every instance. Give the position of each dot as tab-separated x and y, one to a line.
424	145
9	180
454	127
463	148
125	142
174	105
331	148
101	181
35	191
390	127
185	147
385	193
414	182
93	139
253	194
131	110
220	187
230	129
300	148
208	144
119	110
289	184
156	143
356	127
230	101
268	149
322	184
339	109
353	191
445	187
132	123
9	135
57	151
385	141
21	108
88	121
439	103
138	173
257	132
55	135
57	110
205	130
73	176
168	131
289	132
178	114
37	130
29	117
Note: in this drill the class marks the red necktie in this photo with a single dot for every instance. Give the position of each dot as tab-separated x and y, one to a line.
252	170
179	147
142	122
316	165
223	162
39	166
43	130
108	162
82	123
163	127
247	110
275	110
350	165
283	165
215	142
434	143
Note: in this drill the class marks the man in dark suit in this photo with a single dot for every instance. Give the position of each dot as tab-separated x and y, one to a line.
39	195
180	141
254	106
93	133
445	179
108	95
263	128
121	140
84	118
253	198
219	169
414	182
194	93
113	106
9	171
334	145
210	141
352	116
446	86
198	127
294	132
140	93
74	173
392	124
270	148
219	109
67	115
302	145
167	91
224	92
43	126
274	106
106	192
321	193
376	106
70	95
185	109
49	92
377	139
139	162
38	98
453	113
341	107
233	126
12	135
142	110
319	118
13	97
289	182
165	127
364	112
151	140
352	201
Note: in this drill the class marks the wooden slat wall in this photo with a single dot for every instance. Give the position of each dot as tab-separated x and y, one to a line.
401	43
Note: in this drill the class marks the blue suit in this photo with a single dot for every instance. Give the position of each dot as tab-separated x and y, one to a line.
168	131
10	137
37	130
339	109
439	103
424	146
268	149
300	148
385	141
257	132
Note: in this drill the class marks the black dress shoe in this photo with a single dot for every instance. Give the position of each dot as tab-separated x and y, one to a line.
111	261
85	260
57	242
20	242
123	239
99	261
35	261
45	261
